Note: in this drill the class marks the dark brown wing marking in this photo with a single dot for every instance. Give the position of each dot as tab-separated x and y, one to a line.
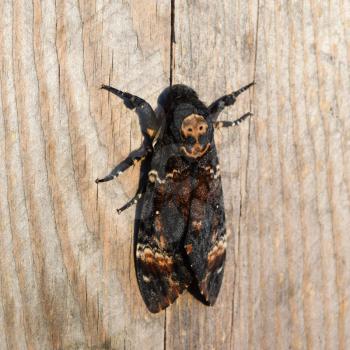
161	269
205	242
162	277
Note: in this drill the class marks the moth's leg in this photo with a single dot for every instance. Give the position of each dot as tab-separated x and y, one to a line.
228	100
148	120
225	123
140	191
133	200
132	158
132	101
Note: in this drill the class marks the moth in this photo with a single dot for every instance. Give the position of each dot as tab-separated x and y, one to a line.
181	240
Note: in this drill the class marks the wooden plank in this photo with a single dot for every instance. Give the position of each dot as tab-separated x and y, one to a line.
286	180
67	276
306	227
215	54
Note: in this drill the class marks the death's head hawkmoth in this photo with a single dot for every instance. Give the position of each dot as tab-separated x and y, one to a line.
181	240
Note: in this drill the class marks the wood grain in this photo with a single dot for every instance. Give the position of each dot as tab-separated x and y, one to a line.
67	278
67	272
206	58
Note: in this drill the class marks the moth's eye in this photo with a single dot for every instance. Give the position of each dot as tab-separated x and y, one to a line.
189	129
201	127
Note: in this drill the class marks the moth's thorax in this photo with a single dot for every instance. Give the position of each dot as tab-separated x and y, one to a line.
194	125
194	130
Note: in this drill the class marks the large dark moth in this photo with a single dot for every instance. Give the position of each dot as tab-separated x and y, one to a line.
181	240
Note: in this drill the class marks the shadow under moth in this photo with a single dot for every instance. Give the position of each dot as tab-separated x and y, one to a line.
181	240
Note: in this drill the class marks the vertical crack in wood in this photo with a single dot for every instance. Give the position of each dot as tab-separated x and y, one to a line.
236	262
254	78
96	207
172	39
164	342
252	96
256	44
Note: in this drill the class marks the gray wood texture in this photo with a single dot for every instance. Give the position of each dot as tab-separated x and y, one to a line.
67	278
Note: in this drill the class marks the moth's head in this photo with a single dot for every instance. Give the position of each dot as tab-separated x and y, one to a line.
193	131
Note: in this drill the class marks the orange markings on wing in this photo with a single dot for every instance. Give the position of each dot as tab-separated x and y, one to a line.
216	254
189	248
156	261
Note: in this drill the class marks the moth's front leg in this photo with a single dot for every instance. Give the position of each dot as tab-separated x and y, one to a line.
226	123
132	158
228	100
148	120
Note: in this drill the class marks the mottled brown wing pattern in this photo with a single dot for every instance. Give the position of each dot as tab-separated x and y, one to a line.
205	242
162	276
161	270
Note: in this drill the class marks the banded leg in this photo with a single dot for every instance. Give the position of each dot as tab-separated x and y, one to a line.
226	123
133	200
148	120
133	158
228	100
140	191
131	101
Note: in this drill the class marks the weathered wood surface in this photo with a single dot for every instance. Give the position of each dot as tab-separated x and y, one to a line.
67	277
